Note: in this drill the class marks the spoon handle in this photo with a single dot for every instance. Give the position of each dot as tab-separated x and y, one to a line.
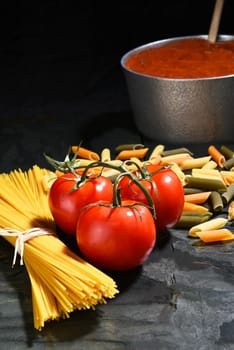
216	17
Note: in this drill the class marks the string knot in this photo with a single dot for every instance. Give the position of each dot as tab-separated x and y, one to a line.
22	237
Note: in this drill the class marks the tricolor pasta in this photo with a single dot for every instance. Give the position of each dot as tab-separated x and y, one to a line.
208	180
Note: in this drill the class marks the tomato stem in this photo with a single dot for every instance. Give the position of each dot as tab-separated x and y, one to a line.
64	166
147	175
123	171
117	199
70	165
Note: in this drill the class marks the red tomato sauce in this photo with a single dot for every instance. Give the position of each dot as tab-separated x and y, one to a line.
185	58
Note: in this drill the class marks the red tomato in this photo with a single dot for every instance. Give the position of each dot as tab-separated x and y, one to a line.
166	190
65	203
116	238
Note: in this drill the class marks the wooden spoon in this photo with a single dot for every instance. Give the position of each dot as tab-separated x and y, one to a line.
216	17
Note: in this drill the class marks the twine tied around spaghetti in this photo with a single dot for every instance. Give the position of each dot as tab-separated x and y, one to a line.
22	237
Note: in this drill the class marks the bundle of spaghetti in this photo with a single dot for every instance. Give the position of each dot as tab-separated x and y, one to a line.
61	281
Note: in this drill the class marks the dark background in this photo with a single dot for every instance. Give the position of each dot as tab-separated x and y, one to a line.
61	81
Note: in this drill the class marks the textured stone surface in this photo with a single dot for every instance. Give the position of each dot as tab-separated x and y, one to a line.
182	298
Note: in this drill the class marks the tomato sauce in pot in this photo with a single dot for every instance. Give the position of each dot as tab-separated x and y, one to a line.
186	58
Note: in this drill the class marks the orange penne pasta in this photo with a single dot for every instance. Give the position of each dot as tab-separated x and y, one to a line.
132	153
197	198
222	234
85	153
194	207
227	177
228	180
177	159
217	156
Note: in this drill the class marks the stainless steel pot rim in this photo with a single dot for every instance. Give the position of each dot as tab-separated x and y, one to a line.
221	37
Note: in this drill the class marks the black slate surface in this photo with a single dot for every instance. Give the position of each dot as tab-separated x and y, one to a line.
182	298
61	83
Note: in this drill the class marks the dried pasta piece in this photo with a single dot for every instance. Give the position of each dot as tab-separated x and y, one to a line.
194	207
128	146
155	160
132	153
191	190
157	151
177	158
82	162
115	162
197	198
228	195
212	224
110	173
190	219
105	155
189	164
216	201
226	151
227	176
175	167
133	164
231	211
207	184
229	163
176	151
207	173
85	153
106	167
217	156
210	165
212	236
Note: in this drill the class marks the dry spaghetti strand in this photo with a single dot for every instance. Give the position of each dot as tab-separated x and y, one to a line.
64	282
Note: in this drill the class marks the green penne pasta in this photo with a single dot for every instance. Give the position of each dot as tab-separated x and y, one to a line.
228	195
188	221
228	164
216	201
128	146
192	190
226	151
176	151
205	184
197	213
